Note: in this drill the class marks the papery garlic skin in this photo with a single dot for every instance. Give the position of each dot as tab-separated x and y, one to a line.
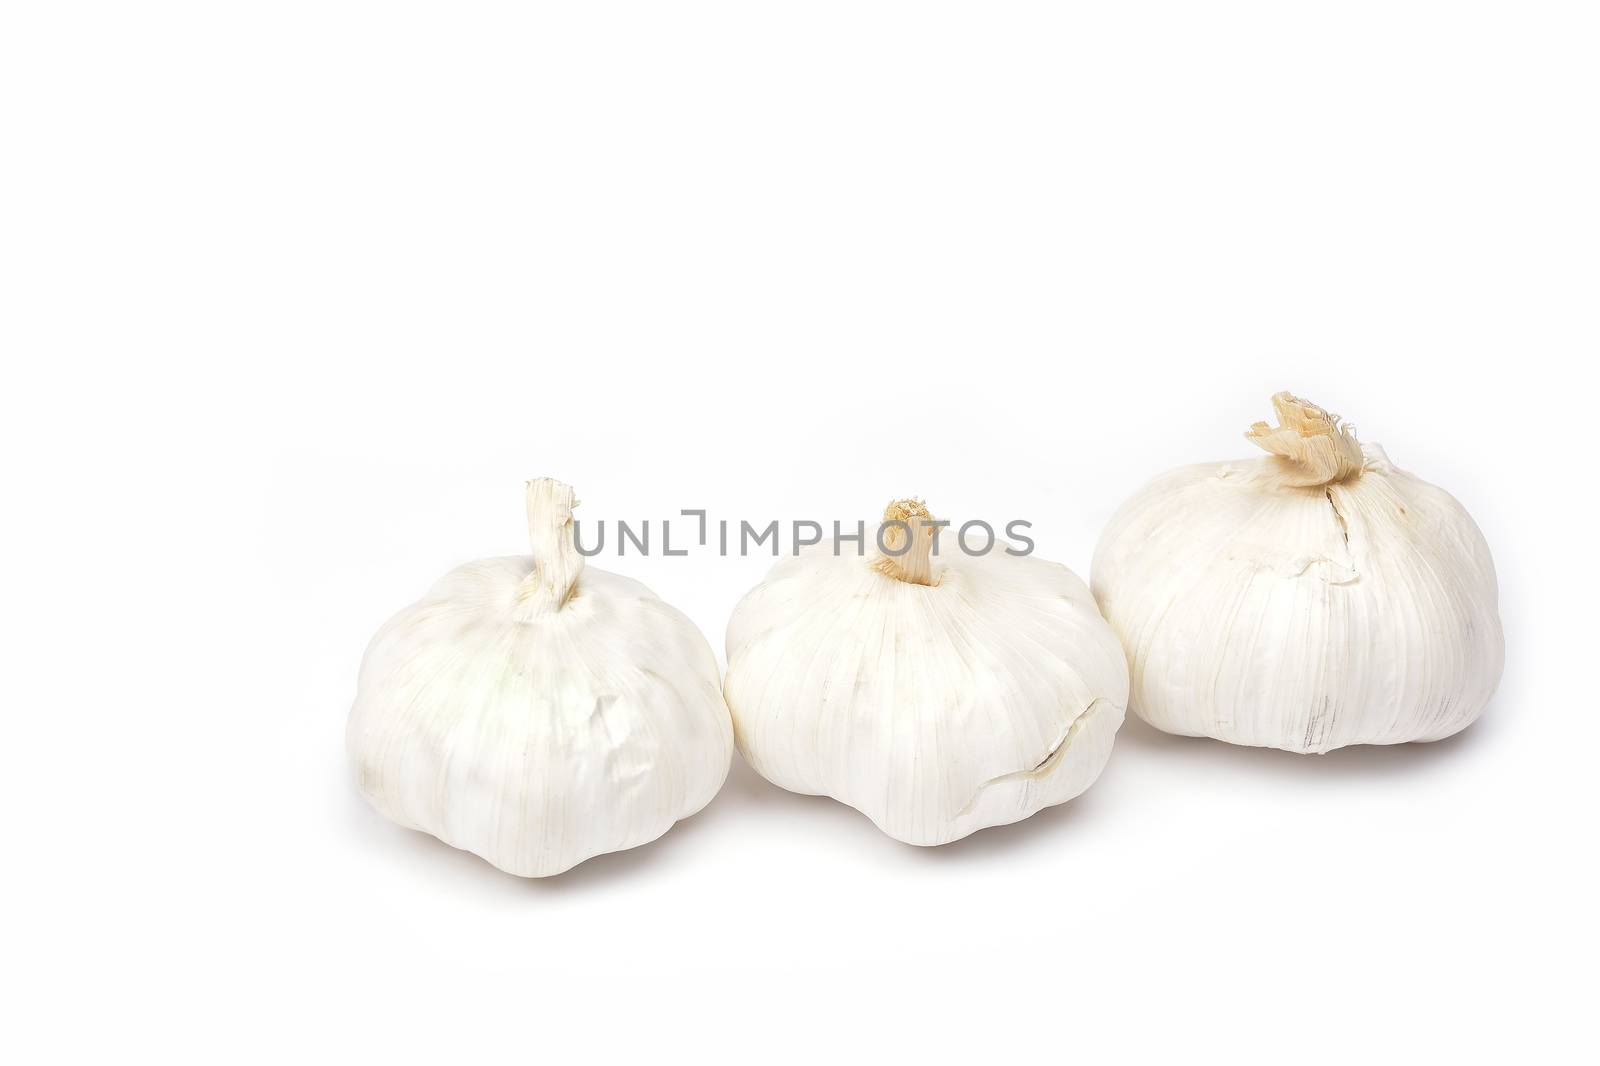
536	712
936	709
1311	599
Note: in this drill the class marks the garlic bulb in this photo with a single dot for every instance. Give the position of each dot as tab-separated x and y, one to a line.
935	693
537	713
1312	598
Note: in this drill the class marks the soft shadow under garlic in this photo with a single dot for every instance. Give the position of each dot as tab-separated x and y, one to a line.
1138	739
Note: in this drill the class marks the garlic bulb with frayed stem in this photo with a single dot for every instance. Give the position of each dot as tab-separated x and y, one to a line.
1313	598
537	712
937	693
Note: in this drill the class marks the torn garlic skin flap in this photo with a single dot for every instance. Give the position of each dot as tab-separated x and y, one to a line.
936	693
537	712
1315	597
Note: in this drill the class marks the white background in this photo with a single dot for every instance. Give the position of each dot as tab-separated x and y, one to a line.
296	295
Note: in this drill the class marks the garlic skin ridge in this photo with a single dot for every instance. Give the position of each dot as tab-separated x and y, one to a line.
937	695
1310	599
536	712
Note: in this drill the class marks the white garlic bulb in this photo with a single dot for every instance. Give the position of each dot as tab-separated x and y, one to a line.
537	713
935	693
1316	597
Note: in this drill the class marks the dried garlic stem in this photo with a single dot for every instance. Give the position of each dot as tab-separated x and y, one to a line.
909	541
1311	446
556	562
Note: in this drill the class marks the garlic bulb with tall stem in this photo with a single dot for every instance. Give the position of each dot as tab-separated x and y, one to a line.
537	712
1312	598
937	693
